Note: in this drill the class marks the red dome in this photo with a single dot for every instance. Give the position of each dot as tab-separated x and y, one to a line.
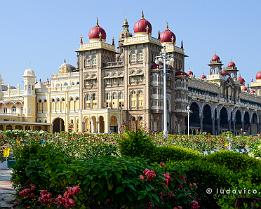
181	74
244	88
96	31
215	58
190	73
154	66
203	76
258	75
231	64
167	36
224	73
142	25
241	80
252	91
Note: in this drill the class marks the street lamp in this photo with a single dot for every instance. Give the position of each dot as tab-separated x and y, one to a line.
188	111
164	59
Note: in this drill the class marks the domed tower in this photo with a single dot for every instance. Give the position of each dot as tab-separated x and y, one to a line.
29	95
167	36
142	26
215	65
232	70
93	56
215	69
97	33
256	85
66	68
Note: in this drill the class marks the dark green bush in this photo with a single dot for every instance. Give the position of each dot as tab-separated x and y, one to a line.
234	161
114	183
207	175
37	164
175	153
136	144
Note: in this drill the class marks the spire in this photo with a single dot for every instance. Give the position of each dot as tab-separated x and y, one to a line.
182	44
113	41
159	35
142	14
64	61
125	23
167	25
97	21
81	40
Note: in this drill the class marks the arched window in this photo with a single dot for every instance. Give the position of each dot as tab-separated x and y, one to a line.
120	95
13	109
93	96
114	95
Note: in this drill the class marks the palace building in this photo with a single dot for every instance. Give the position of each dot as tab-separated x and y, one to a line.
111	87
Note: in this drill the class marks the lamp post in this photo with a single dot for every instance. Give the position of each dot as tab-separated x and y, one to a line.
164	59
188	111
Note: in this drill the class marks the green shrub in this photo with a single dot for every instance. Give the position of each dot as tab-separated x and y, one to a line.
37	164
136	144
111	182
175	153
233	160
207	175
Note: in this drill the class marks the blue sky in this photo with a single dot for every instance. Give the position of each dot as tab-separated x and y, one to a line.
41	34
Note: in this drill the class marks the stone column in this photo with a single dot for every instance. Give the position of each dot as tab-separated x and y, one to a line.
218	126
229	125
201	123
213	126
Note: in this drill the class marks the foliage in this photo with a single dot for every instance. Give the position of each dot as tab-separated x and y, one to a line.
234	161
207	176
135	144
175	153
105	182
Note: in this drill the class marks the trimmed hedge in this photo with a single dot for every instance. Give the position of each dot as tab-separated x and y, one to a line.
138	144
173	153
234	161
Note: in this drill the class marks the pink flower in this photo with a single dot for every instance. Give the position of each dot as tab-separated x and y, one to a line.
141	177
162	164
150	174
32	187
75	189
25	192
45	197
195	204
167	178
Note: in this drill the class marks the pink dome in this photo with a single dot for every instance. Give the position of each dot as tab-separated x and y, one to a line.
142	26
258	75
244	88
215	58
252	91
96	32
154	66
190	73
167	36
241	80
181	74
231	64
224	73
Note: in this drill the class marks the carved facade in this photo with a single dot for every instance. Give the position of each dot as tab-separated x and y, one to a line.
113	87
